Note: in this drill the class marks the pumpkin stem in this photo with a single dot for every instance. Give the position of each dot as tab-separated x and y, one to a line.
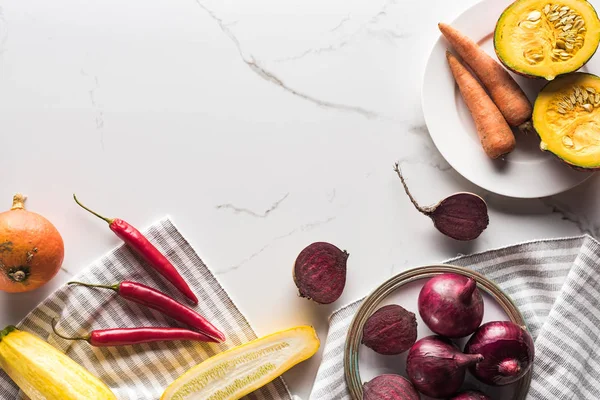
6	331
92	285
109	220
18	202
86	337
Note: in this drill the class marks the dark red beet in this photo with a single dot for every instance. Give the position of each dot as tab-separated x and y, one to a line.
471	395
390	387
451	305
508	352
390	330
320	272
436	366
461	216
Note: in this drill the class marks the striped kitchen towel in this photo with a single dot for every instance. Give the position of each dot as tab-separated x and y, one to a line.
556	285
139	372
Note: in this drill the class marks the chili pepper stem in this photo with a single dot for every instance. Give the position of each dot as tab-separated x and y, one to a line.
114	287
109	220
86	338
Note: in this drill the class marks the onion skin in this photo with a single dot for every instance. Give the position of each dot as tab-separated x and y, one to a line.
508	352
436	366
451	305
390	387
390	330
471	395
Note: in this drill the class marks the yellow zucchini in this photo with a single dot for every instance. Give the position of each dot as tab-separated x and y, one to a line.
44	373
243	369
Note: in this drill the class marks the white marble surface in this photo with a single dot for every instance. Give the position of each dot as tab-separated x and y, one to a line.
260	126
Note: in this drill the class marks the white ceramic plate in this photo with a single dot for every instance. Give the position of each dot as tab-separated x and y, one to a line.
525	173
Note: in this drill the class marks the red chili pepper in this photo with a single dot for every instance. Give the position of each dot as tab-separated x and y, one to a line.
152	298
147	251
127	336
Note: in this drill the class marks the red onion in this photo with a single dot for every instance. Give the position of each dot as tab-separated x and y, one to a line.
390	387
436	366
451	305
508	352
471	395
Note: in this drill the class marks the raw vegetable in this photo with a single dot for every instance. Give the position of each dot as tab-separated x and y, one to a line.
236	372
31	249
320	272
390	330
451	305
390	387
130	336
567	118
471	395
44	373
541	38
142	246
494	133
152	298
436	366
508	352
503	89
461	216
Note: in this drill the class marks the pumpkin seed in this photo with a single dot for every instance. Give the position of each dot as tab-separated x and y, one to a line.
534	16
567	141
588	107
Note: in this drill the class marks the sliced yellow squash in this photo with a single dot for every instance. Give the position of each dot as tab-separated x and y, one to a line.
547	38
44	373
241	370
566	116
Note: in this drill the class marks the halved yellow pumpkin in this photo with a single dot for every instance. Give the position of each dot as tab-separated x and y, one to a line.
545	38
566	115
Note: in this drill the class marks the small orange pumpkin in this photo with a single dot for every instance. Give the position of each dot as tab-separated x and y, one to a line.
31	249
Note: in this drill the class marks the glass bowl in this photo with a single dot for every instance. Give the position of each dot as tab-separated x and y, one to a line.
372	302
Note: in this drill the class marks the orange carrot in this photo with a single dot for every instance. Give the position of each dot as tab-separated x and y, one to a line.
496	136
504	90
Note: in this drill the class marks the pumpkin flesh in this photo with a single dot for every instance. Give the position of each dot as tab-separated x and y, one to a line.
566	116
541	38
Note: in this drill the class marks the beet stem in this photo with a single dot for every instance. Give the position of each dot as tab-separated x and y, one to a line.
466	292
424	210
509	367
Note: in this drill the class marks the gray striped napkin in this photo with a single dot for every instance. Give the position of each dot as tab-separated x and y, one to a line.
140	372
555	283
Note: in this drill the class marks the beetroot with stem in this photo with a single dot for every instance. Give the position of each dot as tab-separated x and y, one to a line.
471	395
451	305
461	216
437	367
390	330
508	350
320	272
390	387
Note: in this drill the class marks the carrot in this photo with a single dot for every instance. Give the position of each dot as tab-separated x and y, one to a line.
504	90
496	136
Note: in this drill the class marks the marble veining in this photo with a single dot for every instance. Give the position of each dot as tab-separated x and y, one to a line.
147	109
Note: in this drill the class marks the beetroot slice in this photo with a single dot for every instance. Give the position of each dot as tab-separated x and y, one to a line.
461	216
390	387
390	330
320	272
